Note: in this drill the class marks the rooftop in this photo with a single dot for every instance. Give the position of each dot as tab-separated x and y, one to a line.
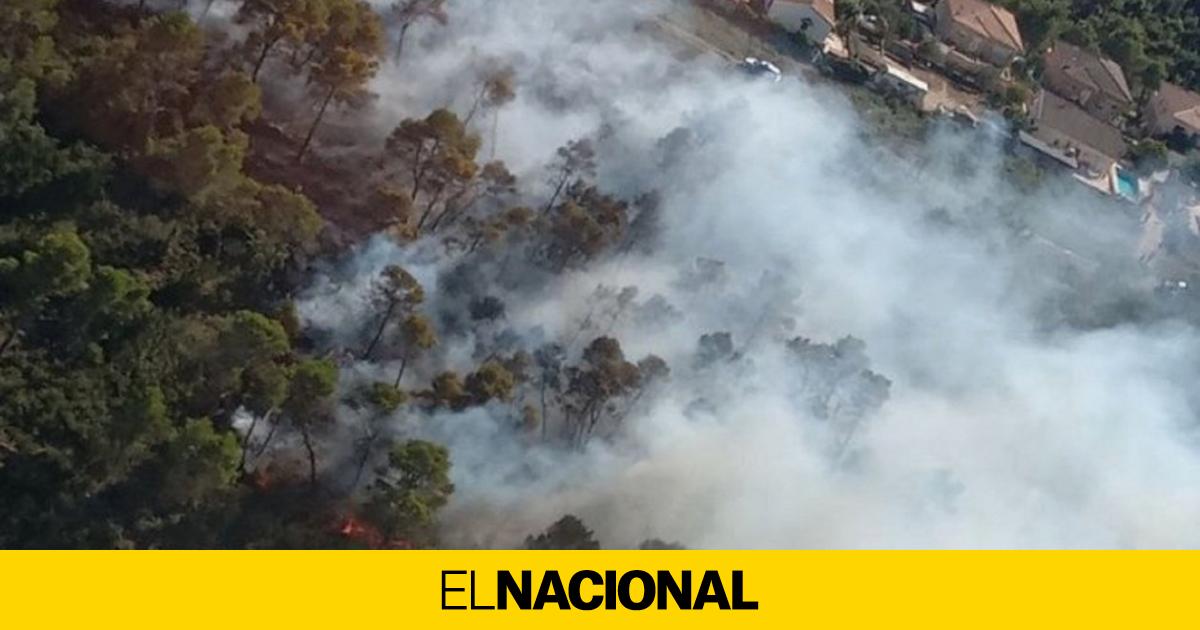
986	19
1054	113
1181	103
1095	71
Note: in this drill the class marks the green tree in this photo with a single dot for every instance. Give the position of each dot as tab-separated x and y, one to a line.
496	88
30	159
380	400
566	534
198	161
602	376
493	183
27	46
492	381
58	265
416	335
1040	22
582	226
344	58
227	101
197	463
264	389
409	12
115	305
138	84
279	27
440	154
256	231
448	390
409	491
574	162
1148	155
396	292
308	404
657	544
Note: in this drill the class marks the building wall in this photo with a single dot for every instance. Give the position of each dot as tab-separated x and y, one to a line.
800	18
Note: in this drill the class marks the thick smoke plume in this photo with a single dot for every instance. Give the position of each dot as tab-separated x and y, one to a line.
1016	401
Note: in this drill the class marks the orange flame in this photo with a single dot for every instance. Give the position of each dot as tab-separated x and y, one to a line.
367	534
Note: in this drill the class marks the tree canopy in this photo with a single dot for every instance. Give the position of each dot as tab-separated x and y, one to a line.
144	281
1152	40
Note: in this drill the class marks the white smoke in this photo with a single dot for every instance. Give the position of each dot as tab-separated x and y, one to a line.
1005	427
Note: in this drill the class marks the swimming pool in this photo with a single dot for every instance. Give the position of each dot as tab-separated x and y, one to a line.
1127	185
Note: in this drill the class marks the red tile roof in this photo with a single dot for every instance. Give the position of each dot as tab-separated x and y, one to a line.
988	20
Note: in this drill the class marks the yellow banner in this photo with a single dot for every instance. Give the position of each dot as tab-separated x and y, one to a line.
652	589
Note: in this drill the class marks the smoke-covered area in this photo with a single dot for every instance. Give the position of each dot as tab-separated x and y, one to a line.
1007	384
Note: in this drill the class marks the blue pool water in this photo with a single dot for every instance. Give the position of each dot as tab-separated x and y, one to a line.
1127	185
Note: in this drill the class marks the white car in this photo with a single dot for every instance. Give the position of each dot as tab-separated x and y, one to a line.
756	67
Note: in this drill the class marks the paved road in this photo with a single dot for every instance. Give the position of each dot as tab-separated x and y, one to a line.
705	32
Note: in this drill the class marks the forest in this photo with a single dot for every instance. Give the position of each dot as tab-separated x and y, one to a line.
152	236
276	274
157	223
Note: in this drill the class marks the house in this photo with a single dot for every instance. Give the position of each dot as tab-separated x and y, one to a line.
814	19
1066	133
1092	81
1173	110
980	29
